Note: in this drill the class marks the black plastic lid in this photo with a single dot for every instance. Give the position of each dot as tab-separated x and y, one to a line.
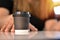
21	14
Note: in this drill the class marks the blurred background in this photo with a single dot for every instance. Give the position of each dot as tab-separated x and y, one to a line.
41	10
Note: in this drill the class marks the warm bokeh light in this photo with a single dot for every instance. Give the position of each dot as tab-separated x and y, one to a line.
56	0
57	10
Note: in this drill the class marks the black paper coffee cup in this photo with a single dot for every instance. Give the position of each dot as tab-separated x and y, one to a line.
21	21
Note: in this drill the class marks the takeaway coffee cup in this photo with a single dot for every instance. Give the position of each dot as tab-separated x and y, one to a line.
21	22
